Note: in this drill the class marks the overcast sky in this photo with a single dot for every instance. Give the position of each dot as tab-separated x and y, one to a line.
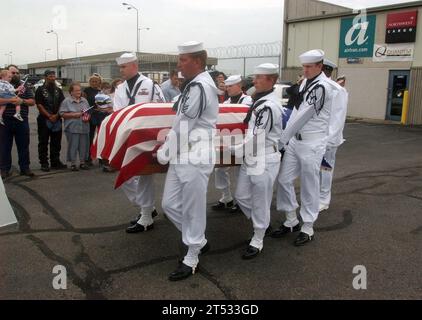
107	26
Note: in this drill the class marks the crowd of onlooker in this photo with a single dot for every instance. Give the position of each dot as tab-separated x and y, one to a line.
78	116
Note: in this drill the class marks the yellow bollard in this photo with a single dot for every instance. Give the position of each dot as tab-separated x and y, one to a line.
405	107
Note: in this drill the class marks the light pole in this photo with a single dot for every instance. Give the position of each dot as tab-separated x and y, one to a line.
140	29
10	54
57	42
57	49
129	7
45	53
76	47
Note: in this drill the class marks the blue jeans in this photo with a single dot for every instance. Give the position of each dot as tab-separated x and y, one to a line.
18	130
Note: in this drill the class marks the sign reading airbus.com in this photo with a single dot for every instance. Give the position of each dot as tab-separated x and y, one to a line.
357	37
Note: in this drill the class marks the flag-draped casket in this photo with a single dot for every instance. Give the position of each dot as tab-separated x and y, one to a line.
128	138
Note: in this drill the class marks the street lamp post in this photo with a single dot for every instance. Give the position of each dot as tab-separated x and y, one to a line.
59	73
76	47
10	54
45	53
129	7
57	42
140	29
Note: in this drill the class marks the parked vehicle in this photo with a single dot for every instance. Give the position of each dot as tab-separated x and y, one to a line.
31	79
41	83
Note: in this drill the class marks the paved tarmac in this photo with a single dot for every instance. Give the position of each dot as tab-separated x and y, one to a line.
77	220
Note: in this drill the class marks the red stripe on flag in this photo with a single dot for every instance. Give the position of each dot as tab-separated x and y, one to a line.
133	168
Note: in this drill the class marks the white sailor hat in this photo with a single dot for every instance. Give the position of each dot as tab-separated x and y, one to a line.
266	68
313	56
191	47
126	58
329	63
233	80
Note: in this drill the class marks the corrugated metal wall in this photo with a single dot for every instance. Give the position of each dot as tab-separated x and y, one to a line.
300	9
290	74
415	97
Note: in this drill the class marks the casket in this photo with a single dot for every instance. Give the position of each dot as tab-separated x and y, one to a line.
128	138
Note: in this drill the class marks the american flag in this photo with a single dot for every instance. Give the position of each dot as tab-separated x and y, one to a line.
85	115
128	138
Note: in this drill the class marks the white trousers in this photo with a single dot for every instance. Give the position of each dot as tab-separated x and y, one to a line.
302	158
185	204
140	191
254	195
222	182
327	177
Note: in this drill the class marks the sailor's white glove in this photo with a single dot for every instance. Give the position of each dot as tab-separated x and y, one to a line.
161	155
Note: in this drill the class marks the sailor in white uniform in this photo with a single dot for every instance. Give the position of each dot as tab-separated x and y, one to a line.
137	89
261	165
190	150
305	141
222	175
335	136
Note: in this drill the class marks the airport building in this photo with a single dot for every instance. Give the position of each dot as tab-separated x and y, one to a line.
379	51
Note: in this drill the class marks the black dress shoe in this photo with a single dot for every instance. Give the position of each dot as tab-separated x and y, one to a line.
181	273
83	166
303	239
45	168
133	222
138	228
250	253
5	174
283	230
235	209
220	206
27	173
58	166
89	163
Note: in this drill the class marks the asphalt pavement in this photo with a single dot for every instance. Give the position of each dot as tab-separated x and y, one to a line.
77	220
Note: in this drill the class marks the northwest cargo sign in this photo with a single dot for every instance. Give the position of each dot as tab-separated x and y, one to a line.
401	27
357	37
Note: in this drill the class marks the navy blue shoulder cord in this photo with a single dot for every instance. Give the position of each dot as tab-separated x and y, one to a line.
182	100
132	97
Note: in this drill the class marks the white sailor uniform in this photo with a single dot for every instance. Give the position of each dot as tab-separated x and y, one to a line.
335	140
139	190
222	175
191	163
306	135
254	189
